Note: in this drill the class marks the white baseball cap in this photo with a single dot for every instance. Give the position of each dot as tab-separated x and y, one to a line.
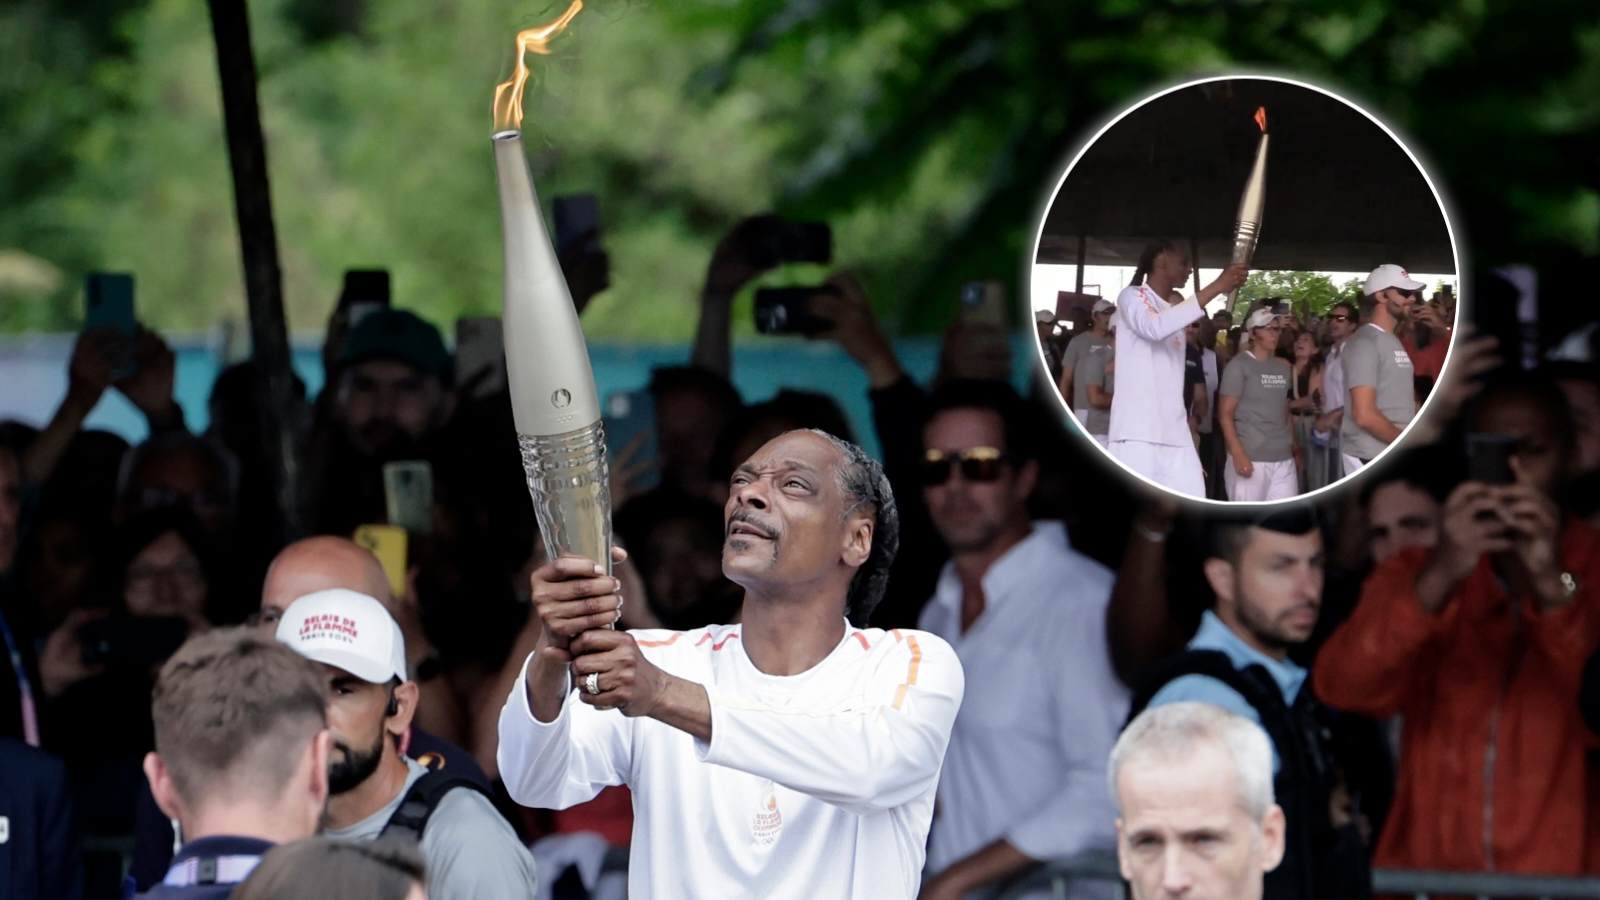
1044	317
1390	275
1102	304
1261	318
348	631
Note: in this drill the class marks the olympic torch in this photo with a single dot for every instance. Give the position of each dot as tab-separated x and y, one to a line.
552	384
1247	226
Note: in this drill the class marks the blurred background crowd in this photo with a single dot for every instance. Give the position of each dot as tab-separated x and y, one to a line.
118	544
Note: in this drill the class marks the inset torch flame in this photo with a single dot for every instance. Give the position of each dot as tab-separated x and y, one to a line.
508	94
1261	118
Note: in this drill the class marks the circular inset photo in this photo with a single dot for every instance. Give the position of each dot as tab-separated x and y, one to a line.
1245	289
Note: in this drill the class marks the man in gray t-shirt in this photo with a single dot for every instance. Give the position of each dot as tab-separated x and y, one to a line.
470	849
1084	365
461	836
1253	411
1380	397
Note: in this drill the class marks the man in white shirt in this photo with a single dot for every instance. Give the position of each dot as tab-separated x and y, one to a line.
1149	430
792	755
1343	319
1024	778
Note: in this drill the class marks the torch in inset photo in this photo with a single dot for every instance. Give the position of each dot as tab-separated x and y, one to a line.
547	362
1247	225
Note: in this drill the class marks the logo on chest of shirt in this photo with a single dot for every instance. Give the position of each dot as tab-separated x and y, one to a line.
1402	359
768	822
1273	380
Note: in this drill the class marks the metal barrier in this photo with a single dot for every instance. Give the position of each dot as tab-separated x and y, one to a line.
1056	878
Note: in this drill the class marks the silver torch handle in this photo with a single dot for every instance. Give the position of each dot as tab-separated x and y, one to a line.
570	482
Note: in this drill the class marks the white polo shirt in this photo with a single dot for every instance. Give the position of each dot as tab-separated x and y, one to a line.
1333	393
1148	403
1027	758
813	785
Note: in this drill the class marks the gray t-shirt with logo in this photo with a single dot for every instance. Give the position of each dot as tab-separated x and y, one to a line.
470	850
1375	358
1262	417
1087	355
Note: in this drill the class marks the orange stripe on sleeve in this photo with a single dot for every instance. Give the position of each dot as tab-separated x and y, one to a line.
911	671
669	641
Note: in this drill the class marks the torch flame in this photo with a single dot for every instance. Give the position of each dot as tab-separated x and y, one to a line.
1260	117
508	94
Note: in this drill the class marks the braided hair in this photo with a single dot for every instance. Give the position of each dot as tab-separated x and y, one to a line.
863	482
1147	259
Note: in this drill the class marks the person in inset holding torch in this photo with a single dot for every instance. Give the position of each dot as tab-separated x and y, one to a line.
1149	425
1149	430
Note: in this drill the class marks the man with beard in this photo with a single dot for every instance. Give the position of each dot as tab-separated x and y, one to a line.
1378	373
241	756
390	396
373	789
1267	574
1024	778
305	567
792	755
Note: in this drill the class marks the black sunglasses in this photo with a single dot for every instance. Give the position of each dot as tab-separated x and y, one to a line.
980	464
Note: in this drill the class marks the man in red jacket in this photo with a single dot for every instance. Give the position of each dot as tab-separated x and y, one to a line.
1478	644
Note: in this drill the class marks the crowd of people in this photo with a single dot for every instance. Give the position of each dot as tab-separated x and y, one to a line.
813	670
1281	404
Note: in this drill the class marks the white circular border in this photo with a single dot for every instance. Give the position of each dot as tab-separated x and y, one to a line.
1463	302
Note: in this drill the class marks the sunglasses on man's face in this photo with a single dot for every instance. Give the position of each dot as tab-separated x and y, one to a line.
1339	317
976	464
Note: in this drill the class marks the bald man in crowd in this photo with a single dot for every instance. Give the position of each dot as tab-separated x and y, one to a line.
325	562
305	567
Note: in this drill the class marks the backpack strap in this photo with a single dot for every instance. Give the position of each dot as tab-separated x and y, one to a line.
417	806
1252	683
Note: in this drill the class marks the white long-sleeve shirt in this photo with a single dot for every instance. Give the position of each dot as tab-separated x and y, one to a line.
1027	759
1148	403
812	785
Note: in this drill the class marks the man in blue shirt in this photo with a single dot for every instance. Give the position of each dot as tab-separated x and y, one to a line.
241	758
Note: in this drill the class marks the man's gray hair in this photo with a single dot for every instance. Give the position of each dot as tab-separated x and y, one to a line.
863	482
1175	731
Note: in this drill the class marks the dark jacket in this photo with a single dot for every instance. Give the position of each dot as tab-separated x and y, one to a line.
1320	862
39	852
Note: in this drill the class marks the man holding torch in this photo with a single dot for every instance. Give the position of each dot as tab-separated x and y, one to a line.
793	755
1149	429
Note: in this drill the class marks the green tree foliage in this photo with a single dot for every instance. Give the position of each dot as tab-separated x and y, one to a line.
1310	293
928	132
